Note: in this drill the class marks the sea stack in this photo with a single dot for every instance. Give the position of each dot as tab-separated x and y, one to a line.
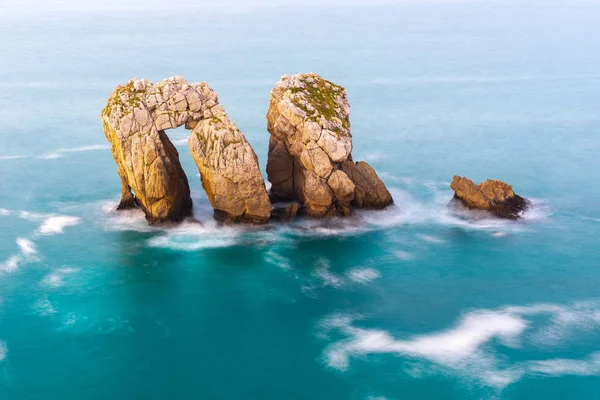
310	150
494	196
135	119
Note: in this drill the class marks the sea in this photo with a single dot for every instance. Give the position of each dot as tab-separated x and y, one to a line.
418	301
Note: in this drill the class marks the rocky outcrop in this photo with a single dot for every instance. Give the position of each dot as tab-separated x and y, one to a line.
494	196
134	121
310	149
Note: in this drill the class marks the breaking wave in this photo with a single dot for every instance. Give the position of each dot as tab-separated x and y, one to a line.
408	212
192	236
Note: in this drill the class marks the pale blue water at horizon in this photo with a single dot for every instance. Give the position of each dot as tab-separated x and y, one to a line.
413	302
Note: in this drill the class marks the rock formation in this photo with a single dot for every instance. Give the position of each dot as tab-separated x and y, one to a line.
134	121
494	196
310	149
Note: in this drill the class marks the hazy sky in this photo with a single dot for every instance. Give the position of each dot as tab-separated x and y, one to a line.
15	10
28	7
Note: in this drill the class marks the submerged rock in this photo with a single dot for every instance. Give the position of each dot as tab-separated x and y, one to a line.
134	121
494	196
310	149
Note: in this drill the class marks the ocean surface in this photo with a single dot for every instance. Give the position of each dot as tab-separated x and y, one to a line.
415	302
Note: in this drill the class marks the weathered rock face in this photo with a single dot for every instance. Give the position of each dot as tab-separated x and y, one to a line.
229	169
135	119
310	143
370	192
494	196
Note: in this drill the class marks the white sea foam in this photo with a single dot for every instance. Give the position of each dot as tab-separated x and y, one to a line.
439	211
466	349
51	224
562	322
97	324
4	212
451	347
430	238
590	366
53	280
56	223
56	278
31	216
328	278
59	152
193	236
11	264
27	246
123	220
350	226
44	307
403	255
410	212
26	253
274	258
363	275
3	350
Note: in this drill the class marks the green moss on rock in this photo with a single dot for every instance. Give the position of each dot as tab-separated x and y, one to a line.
323	96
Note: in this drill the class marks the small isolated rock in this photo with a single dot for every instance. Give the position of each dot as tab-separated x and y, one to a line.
494	196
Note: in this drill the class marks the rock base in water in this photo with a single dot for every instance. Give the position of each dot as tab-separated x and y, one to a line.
494	196
285	214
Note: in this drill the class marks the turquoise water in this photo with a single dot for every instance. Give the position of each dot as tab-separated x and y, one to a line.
415	302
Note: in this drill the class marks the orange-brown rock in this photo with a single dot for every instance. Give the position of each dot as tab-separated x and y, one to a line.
229	170
491	195
309	123
370	192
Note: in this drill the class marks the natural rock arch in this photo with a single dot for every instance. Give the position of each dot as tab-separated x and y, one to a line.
134	121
